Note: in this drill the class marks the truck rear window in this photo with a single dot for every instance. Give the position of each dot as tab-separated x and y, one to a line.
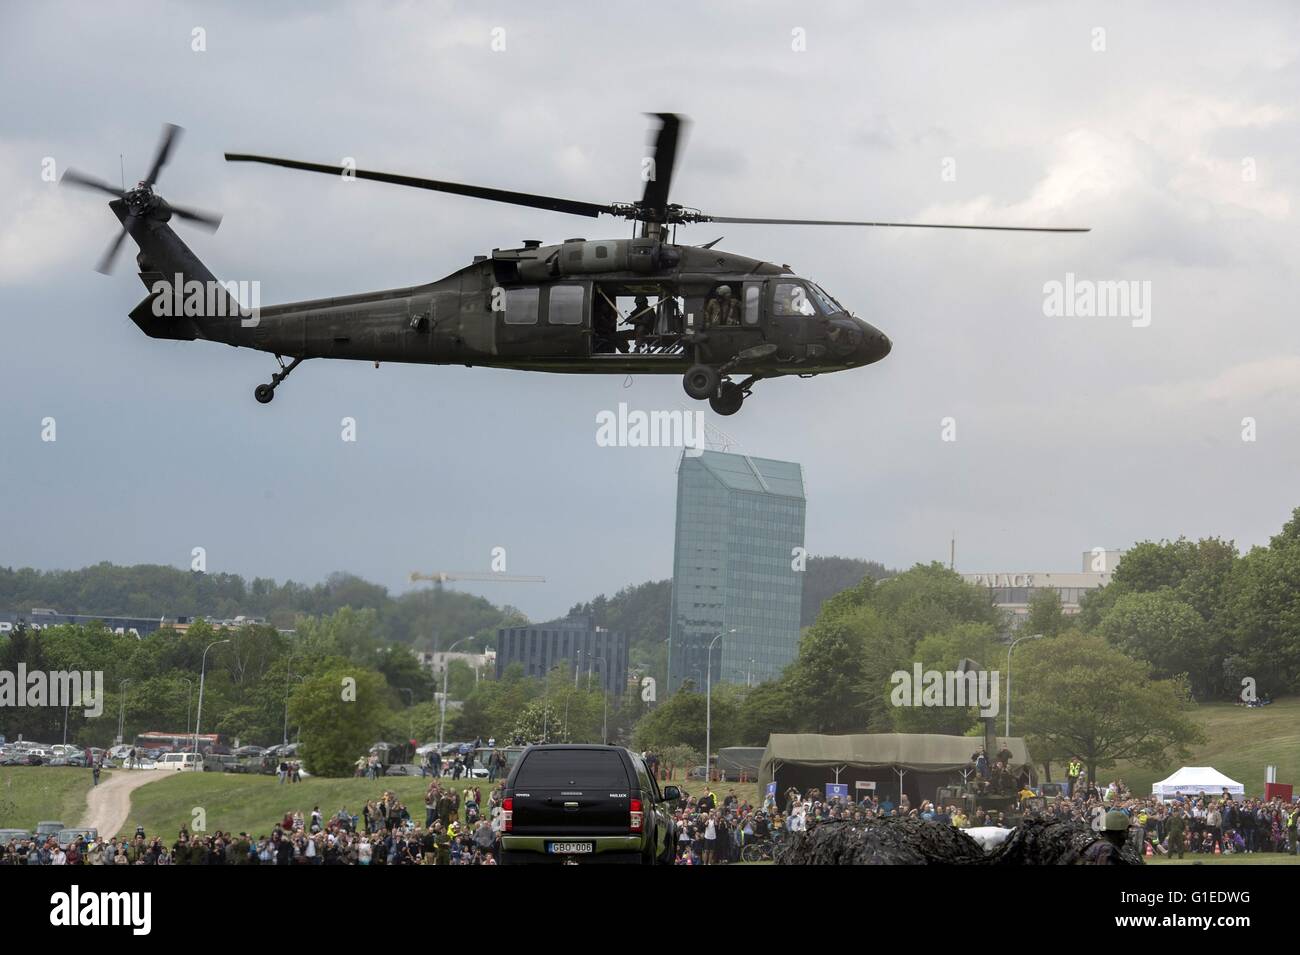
574	768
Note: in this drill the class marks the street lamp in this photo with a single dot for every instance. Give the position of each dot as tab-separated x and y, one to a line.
708	704
546	705
1030	636
290	675
189	704
410	720
121	716
604	696
203	671
446	667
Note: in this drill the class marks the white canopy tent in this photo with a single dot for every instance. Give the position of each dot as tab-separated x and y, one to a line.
1194	780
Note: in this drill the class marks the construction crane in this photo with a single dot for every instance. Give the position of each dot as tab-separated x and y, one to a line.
441	577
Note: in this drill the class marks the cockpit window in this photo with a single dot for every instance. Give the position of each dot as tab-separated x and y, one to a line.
790	299
824	301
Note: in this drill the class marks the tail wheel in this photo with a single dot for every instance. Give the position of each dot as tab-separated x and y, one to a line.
701	381
264	393
728	399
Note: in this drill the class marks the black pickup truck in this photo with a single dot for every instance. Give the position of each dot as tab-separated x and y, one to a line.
586	803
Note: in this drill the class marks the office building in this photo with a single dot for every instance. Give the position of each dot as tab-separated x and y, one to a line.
736	566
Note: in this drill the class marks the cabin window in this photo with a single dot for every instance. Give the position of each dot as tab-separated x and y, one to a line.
791	299
753	294
521	306
565	305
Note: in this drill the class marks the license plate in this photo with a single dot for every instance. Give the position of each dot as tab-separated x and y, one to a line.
570	848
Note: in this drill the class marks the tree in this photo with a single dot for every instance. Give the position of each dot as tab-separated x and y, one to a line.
943	652
1166	632
342	711
1262	615
680	720
768	708
1077	694
1045	613
539	722
827	677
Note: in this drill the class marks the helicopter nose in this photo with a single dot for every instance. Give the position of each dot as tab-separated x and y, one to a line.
875	345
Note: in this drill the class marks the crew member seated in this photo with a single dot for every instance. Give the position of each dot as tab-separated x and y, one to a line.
721	308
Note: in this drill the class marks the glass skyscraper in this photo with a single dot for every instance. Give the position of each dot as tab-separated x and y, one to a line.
740	525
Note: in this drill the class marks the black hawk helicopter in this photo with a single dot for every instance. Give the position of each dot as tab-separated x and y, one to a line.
637	305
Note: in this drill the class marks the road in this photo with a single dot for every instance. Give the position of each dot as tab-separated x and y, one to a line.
109	804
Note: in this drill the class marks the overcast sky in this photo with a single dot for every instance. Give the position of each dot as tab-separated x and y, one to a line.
1177	141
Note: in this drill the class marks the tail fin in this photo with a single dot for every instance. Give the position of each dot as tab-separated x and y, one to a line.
185	300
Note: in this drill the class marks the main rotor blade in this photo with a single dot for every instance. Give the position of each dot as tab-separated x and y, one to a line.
171	133
208	220
891	225
663	153
552	203
79	179
105	265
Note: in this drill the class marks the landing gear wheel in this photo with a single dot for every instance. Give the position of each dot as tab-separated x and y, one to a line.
728	399
264	393
701	381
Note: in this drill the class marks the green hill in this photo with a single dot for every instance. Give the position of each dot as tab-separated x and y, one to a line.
254	804
32	794
1240	742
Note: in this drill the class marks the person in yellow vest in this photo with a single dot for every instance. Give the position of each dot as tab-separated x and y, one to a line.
1073	769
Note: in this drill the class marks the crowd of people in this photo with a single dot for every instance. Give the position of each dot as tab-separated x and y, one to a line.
460	827
1194	823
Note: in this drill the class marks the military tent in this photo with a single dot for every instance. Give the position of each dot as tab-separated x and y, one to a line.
912	763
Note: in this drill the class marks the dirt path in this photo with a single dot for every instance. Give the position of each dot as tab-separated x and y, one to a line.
109	804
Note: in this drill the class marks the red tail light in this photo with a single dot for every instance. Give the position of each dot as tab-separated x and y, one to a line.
637	815
508	814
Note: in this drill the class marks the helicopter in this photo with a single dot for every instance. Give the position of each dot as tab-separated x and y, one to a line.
637	305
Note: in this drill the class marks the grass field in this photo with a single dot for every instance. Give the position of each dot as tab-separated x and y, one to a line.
1240	743
238	803
32	794
1256	858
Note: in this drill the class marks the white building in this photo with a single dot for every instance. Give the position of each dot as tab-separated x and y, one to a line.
1012	590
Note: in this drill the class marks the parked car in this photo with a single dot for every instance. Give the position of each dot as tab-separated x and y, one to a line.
68	836
49	828
182	762
16	835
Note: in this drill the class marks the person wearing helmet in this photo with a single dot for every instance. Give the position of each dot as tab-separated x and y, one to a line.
721	308
1114	833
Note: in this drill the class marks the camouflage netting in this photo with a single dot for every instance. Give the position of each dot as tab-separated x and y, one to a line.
1048	842
890	841
895	841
